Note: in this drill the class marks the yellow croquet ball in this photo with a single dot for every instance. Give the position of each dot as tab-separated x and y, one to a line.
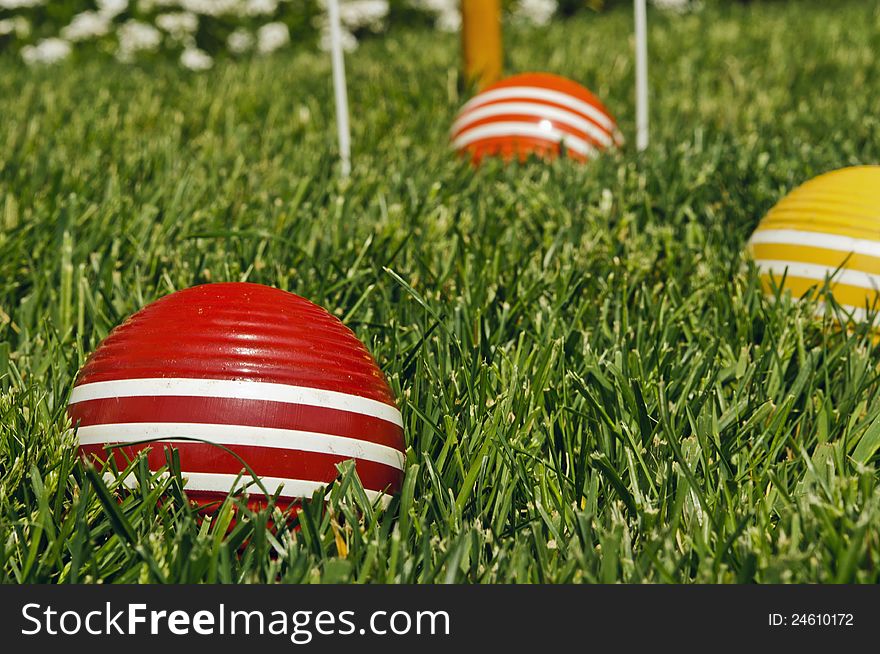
826	229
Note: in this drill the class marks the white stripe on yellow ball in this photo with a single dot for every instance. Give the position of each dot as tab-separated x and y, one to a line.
858	278
828	229
817	239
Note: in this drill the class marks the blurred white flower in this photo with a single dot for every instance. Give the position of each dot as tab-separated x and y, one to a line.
537	12
448	21
353	15
20	4
87	25
47	51
240	41
179	25
134	37
271	37
111	8
195	59
447	13
349	40
357	14
260	7
146	6
18	25
679	6
211	7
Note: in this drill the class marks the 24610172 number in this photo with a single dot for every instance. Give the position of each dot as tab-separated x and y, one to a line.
811	620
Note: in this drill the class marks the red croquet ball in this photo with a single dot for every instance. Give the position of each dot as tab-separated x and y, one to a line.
265	373
532	114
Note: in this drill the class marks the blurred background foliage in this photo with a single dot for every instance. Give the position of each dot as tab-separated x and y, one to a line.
46	31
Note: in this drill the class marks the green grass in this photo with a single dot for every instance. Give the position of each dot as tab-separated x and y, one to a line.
593	386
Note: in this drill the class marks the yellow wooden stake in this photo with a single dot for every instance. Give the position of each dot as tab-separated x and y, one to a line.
481	41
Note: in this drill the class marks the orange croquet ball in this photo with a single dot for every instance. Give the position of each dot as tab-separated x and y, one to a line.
534	114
